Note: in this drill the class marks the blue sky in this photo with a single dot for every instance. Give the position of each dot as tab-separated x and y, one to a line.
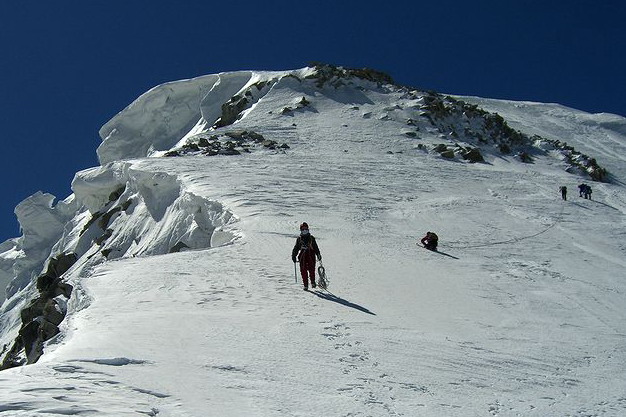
67	67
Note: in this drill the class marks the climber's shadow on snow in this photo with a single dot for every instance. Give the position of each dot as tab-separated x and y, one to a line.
605	205
332	297
581	206
445	254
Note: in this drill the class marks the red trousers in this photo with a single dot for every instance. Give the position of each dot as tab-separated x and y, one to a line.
307	269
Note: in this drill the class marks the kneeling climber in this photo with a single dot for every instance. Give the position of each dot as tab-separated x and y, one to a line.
430	241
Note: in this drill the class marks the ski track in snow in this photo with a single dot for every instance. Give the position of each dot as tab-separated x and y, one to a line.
525	316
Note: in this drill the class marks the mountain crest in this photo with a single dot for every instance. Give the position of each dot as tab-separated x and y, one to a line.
155	192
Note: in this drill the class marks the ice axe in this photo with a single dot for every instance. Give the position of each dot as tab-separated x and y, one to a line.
295	272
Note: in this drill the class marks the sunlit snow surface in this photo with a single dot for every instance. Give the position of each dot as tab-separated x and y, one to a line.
521	314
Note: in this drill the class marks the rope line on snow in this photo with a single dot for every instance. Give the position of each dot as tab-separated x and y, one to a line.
558	218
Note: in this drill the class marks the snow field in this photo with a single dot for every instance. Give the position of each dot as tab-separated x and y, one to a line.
520	315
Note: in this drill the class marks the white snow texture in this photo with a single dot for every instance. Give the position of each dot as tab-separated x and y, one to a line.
186	302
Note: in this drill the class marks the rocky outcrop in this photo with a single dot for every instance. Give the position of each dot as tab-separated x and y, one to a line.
232	109
576	161
467	153
472	155
234	142
337	76
467	123
41	318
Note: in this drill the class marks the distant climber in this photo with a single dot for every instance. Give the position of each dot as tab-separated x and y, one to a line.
587	192
581	189
305	251
563	190
430	241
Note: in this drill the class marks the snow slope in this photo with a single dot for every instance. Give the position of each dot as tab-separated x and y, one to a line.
520	314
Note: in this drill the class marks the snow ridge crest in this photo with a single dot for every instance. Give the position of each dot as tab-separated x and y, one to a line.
116	211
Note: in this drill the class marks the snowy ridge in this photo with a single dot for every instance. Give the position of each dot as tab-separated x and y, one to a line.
158	119
594	134
121	213
185	301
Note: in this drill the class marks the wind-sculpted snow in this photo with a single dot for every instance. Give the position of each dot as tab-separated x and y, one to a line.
42	223
119	212
160	118
156	120
145	213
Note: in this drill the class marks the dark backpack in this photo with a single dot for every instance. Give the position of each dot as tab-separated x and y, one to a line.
306	248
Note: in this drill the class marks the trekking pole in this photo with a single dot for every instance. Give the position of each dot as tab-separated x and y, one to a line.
295	272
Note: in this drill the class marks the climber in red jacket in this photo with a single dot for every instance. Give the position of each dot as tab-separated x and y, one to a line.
305	250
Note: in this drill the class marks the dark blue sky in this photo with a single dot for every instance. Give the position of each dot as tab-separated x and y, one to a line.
67	67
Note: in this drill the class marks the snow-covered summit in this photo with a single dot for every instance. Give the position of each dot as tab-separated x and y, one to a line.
159	118
164	286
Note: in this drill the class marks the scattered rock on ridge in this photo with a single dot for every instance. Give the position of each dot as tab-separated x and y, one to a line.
233	142
336	76
468	123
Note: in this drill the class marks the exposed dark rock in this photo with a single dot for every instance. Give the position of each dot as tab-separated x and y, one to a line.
12	358
596	172
472	155
257	137
58	265
42	316
178	247
229	152
440	148
333	75
303	103
33	335
34	309
452	116
269	144
52	312
504	148
29	334
107	234
117	193
525	157
236	134
127	204
231	110
95	216
106	217
50	287
191	147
